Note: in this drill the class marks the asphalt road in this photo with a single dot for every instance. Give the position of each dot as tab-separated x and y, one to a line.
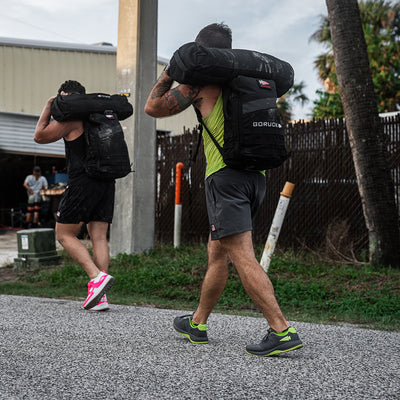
52	349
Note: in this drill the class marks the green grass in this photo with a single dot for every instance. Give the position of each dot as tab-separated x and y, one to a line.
307	290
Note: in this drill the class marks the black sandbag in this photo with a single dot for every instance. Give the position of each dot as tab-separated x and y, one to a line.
79	106
198	65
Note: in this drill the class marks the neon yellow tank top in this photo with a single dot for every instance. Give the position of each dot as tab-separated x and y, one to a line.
215	124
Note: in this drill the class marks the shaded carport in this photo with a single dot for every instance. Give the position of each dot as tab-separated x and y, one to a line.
18	155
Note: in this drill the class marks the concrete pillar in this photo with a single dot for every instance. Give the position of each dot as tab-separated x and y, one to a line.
132	229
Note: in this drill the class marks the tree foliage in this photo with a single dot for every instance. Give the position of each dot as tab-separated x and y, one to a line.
286	102
381	26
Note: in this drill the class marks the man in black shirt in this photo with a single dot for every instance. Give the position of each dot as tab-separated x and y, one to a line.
85	200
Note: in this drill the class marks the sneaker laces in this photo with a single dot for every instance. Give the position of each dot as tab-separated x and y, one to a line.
270	330
266	336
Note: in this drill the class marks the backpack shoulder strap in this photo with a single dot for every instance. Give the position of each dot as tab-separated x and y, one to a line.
200	119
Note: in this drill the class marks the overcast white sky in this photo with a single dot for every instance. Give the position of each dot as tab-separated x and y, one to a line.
281	28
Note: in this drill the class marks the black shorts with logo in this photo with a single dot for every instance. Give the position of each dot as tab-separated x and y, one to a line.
233	198
86	200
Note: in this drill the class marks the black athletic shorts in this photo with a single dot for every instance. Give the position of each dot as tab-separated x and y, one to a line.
87	200
233	198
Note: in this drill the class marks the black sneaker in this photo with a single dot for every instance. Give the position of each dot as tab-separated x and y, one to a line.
275	343
195	333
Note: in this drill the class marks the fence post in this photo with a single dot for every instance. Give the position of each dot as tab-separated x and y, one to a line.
178	205
277	222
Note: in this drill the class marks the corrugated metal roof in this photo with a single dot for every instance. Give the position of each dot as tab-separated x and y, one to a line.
16	136
44	44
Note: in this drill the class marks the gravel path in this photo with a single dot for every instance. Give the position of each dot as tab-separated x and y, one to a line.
52	349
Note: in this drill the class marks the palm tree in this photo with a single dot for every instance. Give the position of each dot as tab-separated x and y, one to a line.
381	25
285	103
365	131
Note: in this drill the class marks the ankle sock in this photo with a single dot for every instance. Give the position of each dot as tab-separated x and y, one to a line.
283	332
192	324
200	327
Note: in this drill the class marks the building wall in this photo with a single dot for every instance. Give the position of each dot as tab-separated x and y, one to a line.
31	72
31	75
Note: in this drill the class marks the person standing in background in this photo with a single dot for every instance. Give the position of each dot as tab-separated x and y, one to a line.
34	184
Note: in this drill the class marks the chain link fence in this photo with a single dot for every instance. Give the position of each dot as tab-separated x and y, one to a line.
320	164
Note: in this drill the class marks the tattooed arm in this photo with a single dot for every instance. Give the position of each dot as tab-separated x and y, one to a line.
164	101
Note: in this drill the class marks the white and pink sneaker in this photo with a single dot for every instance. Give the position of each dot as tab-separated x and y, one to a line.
102	305
96	288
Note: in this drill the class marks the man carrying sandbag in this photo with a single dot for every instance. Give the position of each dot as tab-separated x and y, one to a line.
233	194
85	200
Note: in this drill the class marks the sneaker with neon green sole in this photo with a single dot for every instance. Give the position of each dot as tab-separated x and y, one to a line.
275	343
195	333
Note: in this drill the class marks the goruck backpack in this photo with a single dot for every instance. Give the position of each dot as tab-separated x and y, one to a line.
253	134
107	156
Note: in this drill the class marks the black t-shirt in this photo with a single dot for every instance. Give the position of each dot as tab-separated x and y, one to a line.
75	153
